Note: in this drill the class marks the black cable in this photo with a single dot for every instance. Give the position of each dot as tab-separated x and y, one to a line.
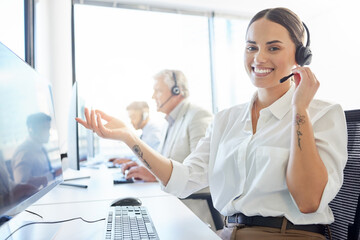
61	221
33	213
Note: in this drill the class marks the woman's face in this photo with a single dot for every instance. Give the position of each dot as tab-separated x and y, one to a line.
269	53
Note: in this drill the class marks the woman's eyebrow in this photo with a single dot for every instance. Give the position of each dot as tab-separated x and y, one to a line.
252	42
268	43
274	41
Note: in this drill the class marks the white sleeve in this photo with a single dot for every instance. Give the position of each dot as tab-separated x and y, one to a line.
191	175
330	133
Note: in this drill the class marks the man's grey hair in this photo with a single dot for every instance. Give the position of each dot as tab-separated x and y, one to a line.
168	77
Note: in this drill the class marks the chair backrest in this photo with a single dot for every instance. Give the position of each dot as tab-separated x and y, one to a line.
344	205
216	216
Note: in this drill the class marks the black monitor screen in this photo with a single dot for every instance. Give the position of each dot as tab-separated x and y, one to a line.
30	162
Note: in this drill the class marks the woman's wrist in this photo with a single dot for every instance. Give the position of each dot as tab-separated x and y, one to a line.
298	108
130	138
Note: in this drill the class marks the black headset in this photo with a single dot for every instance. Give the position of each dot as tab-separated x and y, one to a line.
175	90
303	54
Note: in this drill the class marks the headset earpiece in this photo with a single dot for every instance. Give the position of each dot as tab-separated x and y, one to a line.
175	90
145	115
303	54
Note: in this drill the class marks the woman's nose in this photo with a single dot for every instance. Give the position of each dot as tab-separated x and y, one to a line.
260	57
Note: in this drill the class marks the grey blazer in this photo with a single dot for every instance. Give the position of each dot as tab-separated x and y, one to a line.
189	127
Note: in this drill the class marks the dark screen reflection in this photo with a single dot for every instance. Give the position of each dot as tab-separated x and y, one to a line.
30	164
30	169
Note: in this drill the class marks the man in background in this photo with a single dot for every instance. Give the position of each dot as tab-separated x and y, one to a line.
153	131
187	124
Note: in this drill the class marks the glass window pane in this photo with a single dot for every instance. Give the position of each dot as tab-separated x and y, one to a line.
232	83
118	51
12	25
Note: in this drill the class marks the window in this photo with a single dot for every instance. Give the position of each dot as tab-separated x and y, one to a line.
118	52
12	25
232	84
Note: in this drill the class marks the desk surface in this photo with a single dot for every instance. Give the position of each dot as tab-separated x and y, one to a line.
172	220
100	187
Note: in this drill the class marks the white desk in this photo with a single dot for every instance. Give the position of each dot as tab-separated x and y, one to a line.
172	220
100	187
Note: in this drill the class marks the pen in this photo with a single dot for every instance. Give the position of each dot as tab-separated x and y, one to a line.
286	78
74	185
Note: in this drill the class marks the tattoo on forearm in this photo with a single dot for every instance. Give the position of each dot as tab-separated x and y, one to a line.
300	120
140	154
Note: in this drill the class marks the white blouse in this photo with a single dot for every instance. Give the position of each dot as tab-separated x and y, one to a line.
246	171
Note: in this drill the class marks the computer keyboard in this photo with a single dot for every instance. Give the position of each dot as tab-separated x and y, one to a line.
119	178
129	223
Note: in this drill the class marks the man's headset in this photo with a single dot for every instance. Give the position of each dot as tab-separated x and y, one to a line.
175	90
303	54
144	116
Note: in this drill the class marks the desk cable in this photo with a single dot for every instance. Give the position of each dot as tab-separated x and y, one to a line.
55	222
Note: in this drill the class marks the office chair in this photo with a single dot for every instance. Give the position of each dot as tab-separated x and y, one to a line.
354	229
345	205
216	216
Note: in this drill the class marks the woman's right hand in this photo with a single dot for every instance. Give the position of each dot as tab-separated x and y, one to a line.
113	129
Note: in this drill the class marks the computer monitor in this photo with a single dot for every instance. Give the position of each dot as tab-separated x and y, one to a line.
30	164
80	139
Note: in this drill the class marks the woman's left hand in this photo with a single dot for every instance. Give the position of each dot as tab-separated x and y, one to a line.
113	129
306	87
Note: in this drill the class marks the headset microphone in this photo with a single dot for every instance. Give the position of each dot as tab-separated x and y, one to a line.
163	104
286	77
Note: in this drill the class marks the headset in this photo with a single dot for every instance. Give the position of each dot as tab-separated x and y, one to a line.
145	116
175	90
303	54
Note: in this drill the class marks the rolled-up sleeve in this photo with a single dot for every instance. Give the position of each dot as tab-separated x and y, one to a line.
330	133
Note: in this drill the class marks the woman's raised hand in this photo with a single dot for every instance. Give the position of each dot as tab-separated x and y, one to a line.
306	87
113	129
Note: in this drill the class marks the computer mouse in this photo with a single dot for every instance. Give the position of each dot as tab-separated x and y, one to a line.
129	201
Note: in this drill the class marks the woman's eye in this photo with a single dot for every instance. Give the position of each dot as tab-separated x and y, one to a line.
273	49
251	48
